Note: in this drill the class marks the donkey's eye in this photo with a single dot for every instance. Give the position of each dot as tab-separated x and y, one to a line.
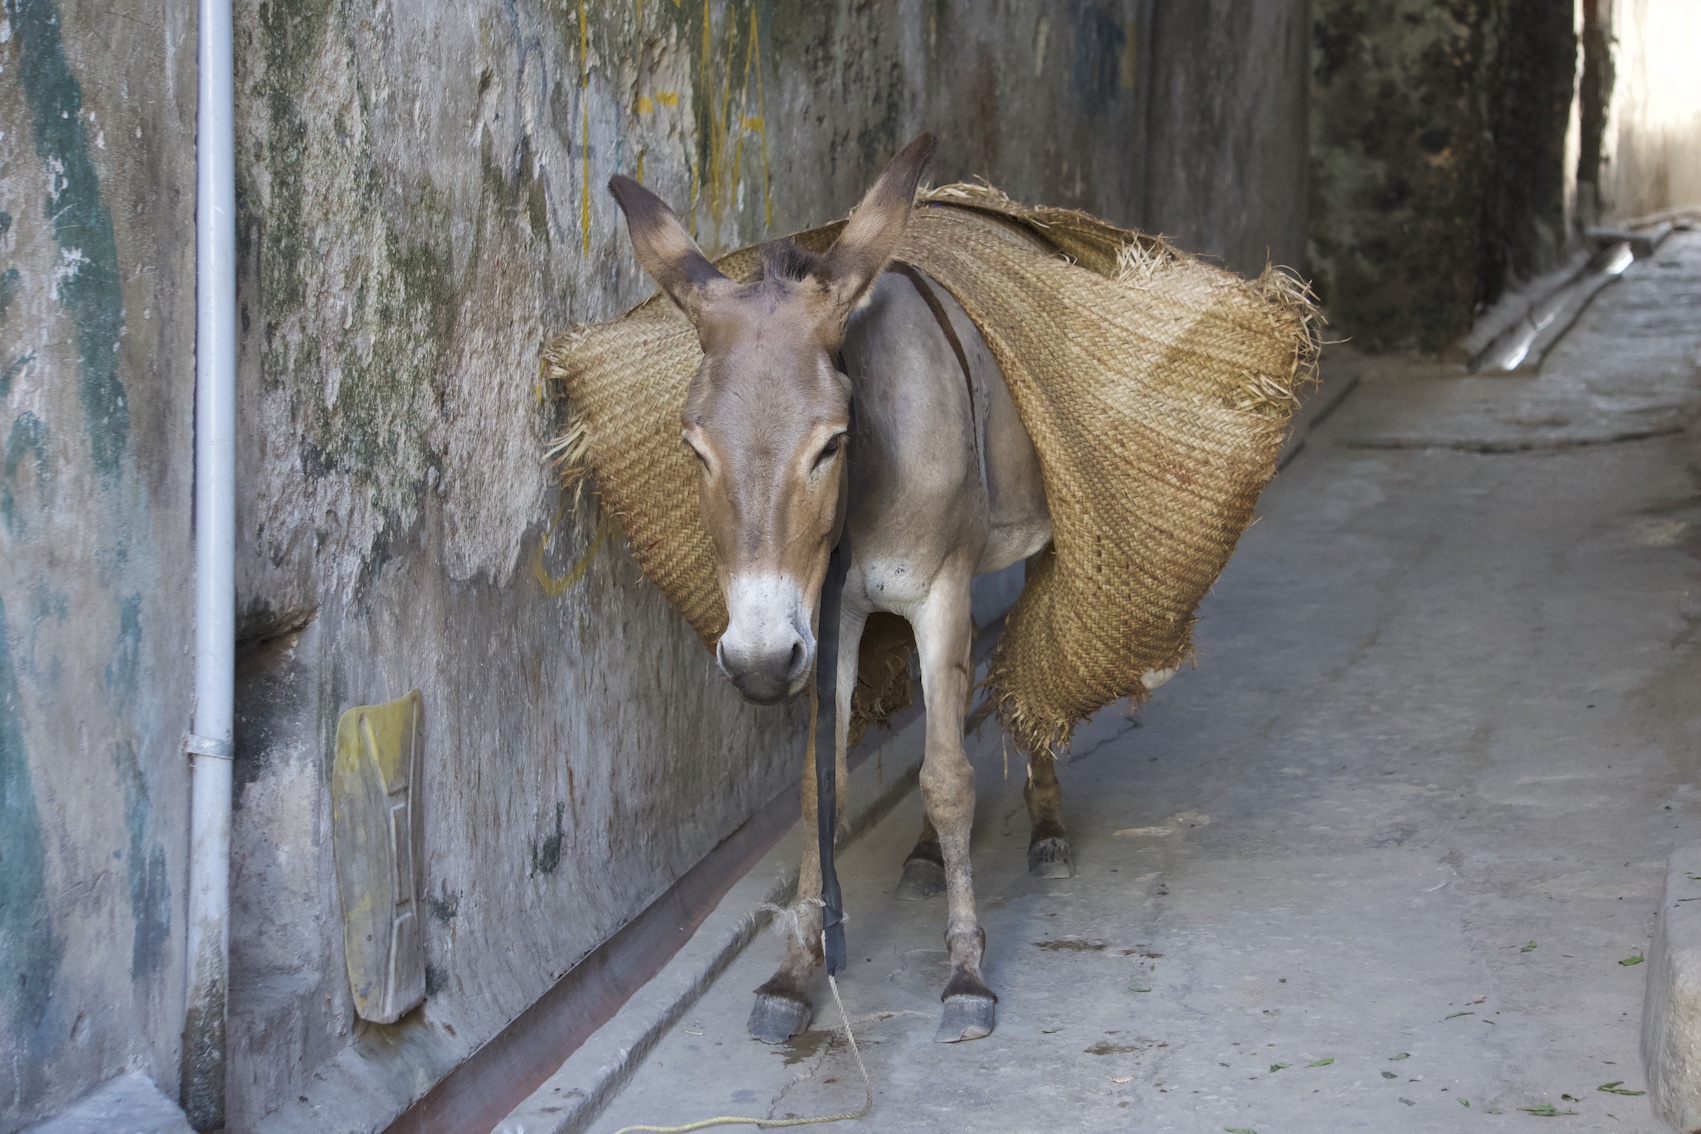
833	445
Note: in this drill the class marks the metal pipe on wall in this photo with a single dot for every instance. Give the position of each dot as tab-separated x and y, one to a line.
209	744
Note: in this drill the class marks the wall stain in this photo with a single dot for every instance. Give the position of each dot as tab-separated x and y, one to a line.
46	606
28	438
1100	44
8	288
546	856
122	671
150	890
13	370
29	956
87	284
401	305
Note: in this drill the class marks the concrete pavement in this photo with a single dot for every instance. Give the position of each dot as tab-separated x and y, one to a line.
1387	858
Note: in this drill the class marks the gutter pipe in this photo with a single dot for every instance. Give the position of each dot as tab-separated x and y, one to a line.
209	743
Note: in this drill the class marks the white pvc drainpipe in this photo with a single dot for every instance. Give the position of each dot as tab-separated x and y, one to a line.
209	743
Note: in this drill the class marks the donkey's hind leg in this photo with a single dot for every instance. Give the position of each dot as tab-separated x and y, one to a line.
948	791
1049	853
924	869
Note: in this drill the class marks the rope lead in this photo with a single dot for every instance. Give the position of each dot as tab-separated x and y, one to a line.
769	1123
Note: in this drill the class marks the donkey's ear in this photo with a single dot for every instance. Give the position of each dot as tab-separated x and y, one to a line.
872	234
665	250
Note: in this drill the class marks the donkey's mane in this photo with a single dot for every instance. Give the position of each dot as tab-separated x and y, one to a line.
784	259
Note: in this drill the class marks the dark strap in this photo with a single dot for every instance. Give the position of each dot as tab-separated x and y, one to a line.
931	298
826	751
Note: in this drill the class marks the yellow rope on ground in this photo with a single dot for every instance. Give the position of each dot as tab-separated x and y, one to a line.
867	1090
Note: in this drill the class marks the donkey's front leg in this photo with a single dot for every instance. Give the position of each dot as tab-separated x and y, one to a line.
782	1008
943	632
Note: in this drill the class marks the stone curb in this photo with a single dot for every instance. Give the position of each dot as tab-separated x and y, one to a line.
1671	1012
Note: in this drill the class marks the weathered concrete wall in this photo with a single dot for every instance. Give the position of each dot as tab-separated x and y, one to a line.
1443	156
421	205
1651	148
1229	136
96	375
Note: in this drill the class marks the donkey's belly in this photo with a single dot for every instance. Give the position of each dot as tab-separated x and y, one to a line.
1018	521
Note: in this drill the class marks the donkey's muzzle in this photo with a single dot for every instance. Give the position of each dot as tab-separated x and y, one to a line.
767	678
768	649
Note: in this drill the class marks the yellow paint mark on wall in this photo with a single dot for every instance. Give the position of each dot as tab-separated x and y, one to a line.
717	185
646	104
554	586
668	98
584	130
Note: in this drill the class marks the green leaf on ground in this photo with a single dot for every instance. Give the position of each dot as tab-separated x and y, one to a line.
1389	1075
1628	961
1456	1015
1545	1110
1275	1067
1616	1087
1239	1130
1324	1062
1465	1102
1530	948
1399	1055
1132	988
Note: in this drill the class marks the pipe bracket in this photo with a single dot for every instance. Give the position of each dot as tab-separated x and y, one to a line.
196	745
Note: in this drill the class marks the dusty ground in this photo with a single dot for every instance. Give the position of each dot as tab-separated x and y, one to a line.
1380	862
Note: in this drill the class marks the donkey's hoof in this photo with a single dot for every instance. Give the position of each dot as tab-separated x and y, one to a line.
1051	858
775	1019
923	879
967	1018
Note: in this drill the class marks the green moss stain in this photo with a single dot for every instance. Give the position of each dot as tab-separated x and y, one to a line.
13	369
29	957
87	284
25	452
125	666
367	396
150	889
9	280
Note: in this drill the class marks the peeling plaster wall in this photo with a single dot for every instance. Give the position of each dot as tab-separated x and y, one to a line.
1652	143
96	377
420	206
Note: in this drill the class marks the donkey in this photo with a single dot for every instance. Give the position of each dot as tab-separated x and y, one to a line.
933	479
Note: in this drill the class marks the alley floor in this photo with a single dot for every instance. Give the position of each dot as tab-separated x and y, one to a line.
1387	858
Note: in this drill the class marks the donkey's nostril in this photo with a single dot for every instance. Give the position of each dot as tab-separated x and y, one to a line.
799	658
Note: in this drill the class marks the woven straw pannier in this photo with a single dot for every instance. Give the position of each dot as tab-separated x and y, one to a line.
1157	390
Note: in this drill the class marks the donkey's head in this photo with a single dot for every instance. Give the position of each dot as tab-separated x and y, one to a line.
768	412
